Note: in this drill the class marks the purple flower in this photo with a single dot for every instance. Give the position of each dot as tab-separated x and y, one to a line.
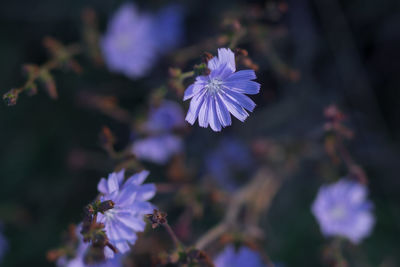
134	40
131	203
227	160
169	28
166	117
243	256
157	149
342	210
222	92
3	243
129	45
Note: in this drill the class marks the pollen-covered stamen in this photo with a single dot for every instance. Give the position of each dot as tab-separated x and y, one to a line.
214	86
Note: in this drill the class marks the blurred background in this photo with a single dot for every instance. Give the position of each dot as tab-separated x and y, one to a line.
319	52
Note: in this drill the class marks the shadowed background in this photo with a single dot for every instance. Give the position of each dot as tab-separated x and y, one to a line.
347	52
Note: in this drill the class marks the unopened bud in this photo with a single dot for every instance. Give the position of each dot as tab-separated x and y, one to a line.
11	97
157	218
241	52
207	57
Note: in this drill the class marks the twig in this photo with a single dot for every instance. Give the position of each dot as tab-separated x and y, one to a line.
243	197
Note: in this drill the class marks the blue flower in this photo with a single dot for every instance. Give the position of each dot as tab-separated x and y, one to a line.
343	210
168	116
157	149
3	243
169	28
129	45
227	160
221	93
122	222
244	256
134	40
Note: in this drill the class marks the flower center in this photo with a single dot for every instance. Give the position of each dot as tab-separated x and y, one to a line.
123	42
338	212
110	214
214	86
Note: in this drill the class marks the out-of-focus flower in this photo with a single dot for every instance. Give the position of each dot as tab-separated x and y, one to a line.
134	40
78	260
168	27
243	256
157	149
3	243
227	160
122	222
129	46
221	93
343	210
168	116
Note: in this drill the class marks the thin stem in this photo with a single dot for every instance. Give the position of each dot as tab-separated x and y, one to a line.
186	75
177	243
245	197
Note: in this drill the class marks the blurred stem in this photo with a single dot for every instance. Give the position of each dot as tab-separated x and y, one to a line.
339	258
55	62
186	75
173	236
247	196
236	38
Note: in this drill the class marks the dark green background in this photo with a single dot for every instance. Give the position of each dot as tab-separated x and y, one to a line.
41	192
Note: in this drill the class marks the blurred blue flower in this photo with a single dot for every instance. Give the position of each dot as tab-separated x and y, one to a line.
134	40
157	149
169	27
131	204
244	256
220	93
3	243
343	210
129	46
227	160
168	116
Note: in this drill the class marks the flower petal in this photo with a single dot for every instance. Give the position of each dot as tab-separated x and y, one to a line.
194	108
222	72
137	179
241	99
203	113
112	183
226	56
188	93
212	116
222	112
146	192
234	108
102	186
213	63
244	87
242	75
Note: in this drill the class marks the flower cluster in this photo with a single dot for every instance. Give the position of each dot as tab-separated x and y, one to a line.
343	210
221	93
135	39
